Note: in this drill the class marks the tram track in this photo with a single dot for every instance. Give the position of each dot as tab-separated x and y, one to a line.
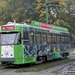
13	68
61	71
64	69
20	69
6	69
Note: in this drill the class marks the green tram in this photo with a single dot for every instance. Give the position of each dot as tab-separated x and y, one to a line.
21	43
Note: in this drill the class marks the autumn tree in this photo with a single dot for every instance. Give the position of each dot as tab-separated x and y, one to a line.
19	10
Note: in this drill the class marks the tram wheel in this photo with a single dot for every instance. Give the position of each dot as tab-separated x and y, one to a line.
65	56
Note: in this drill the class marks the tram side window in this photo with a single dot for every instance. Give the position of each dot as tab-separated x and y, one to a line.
49	38
44	38
67	40
63	39
37	37
25	36
58	39
54	41
31	37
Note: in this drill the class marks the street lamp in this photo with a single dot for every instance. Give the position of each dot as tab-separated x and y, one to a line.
47	8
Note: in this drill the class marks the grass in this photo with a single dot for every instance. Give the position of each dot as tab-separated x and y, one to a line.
0	63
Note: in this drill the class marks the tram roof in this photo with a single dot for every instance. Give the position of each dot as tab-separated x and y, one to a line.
50	27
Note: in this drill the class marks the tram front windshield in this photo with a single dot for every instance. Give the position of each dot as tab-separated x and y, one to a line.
9	38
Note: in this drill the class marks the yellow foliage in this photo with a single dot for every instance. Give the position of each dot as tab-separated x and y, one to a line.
39	4
38	7
43	12
4	3
57	22
1	22
38	1
44	5
61	22
62	2
61	10
41	15
28	20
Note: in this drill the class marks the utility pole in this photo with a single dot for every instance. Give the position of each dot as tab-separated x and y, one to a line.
46	11
47	3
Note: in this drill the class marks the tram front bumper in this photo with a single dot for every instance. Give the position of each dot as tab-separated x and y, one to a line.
7	59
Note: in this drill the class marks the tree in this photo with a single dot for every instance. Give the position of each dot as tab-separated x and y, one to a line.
40	10
19	10
4	15
27	10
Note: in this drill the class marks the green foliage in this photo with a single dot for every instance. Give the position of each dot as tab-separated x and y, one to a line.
27	10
